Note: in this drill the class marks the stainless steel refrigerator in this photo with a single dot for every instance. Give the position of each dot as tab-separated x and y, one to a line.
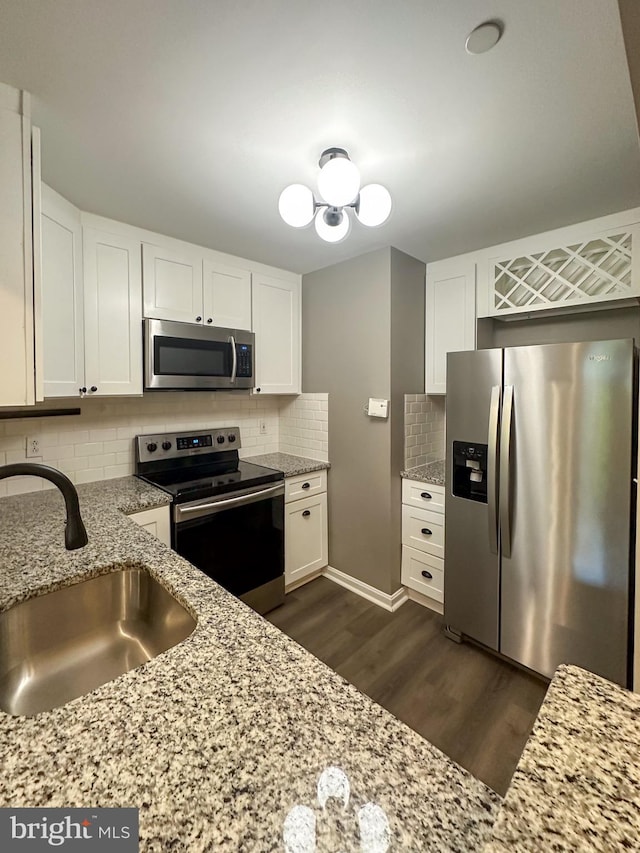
540	504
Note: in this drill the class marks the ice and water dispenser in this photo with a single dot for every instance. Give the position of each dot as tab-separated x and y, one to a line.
470	471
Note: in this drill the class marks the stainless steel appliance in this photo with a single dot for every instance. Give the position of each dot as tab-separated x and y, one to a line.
227	515
539	535
185	356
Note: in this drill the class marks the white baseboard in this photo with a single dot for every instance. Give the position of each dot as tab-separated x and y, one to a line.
302	581
425	601
382	599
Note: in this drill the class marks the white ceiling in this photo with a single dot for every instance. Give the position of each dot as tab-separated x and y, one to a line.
188	117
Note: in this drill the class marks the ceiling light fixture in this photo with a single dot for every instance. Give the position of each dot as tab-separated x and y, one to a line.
338	189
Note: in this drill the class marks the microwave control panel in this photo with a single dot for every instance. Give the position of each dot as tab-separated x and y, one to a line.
243	353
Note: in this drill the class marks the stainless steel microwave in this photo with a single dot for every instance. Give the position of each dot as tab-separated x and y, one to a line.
183	356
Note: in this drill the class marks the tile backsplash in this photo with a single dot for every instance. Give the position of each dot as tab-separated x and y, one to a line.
304	426
423	429
98	444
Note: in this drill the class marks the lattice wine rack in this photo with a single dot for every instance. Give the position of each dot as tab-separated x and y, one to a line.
584	271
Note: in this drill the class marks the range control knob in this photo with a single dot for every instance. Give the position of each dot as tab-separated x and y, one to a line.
220	439
152	447
166	445
231	437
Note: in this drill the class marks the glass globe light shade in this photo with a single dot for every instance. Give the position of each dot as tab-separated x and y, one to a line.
296	205
339	181
332	233
374	205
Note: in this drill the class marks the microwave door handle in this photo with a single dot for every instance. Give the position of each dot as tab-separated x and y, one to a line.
234	359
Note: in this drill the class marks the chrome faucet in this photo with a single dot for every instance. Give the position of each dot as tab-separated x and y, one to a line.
75	535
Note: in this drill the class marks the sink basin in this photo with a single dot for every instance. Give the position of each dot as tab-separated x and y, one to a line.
61	645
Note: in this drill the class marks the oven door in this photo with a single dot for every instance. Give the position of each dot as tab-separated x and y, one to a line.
237	540
184	356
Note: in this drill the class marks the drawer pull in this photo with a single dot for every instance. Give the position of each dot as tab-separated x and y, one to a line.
427	575
305	486
306	513
426	531
425	495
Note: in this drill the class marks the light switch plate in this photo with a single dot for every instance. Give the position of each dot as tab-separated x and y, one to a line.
378	408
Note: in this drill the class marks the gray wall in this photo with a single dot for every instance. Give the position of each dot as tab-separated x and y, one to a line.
407	376
607	324
352	314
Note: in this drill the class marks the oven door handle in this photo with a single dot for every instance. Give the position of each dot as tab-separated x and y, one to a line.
184	513
234	359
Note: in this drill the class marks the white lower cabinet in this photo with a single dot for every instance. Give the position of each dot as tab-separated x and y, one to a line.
305	528
423	542
156	521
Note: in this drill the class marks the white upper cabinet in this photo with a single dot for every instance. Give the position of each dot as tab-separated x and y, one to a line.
91	305
112	314
172	283
450	316
586	265
192	287
17	381
227	296
62	296
276	323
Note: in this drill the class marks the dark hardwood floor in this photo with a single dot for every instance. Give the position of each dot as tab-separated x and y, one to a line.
476	708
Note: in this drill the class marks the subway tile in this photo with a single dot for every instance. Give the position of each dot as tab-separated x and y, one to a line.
103	434
59	451
90	475
13	442
112	471
89	449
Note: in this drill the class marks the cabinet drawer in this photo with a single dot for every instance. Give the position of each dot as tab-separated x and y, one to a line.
423	495
423	573
305	530
423	530
305	485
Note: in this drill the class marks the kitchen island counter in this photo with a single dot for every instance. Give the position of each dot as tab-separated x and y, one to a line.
577	784
217	739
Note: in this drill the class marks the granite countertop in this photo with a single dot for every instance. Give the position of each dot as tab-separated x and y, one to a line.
577	785
287	463
433	472
221	739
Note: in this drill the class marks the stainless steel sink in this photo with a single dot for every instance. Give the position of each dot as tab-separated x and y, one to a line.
61	645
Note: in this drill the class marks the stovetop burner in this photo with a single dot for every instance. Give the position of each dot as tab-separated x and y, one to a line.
191	466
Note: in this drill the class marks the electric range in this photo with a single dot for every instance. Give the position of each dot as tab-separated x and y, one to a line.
227	515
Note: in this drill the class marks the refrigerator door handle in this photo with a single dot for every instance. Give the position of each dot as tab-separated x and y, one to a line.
505	470
492	468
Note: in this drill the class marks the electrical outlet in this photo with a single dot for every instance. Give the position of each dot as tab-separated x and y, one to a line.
34	450
263	427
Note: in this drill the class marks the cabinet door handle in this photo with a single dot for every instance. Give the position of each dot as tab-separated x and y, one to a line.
426	531
425	495
306	513
94	388
427	575
82	390
305	486
209	319
198	319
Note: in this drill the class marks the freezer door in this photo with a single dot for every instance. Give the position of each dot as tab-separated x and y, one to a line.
471	597
566	506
